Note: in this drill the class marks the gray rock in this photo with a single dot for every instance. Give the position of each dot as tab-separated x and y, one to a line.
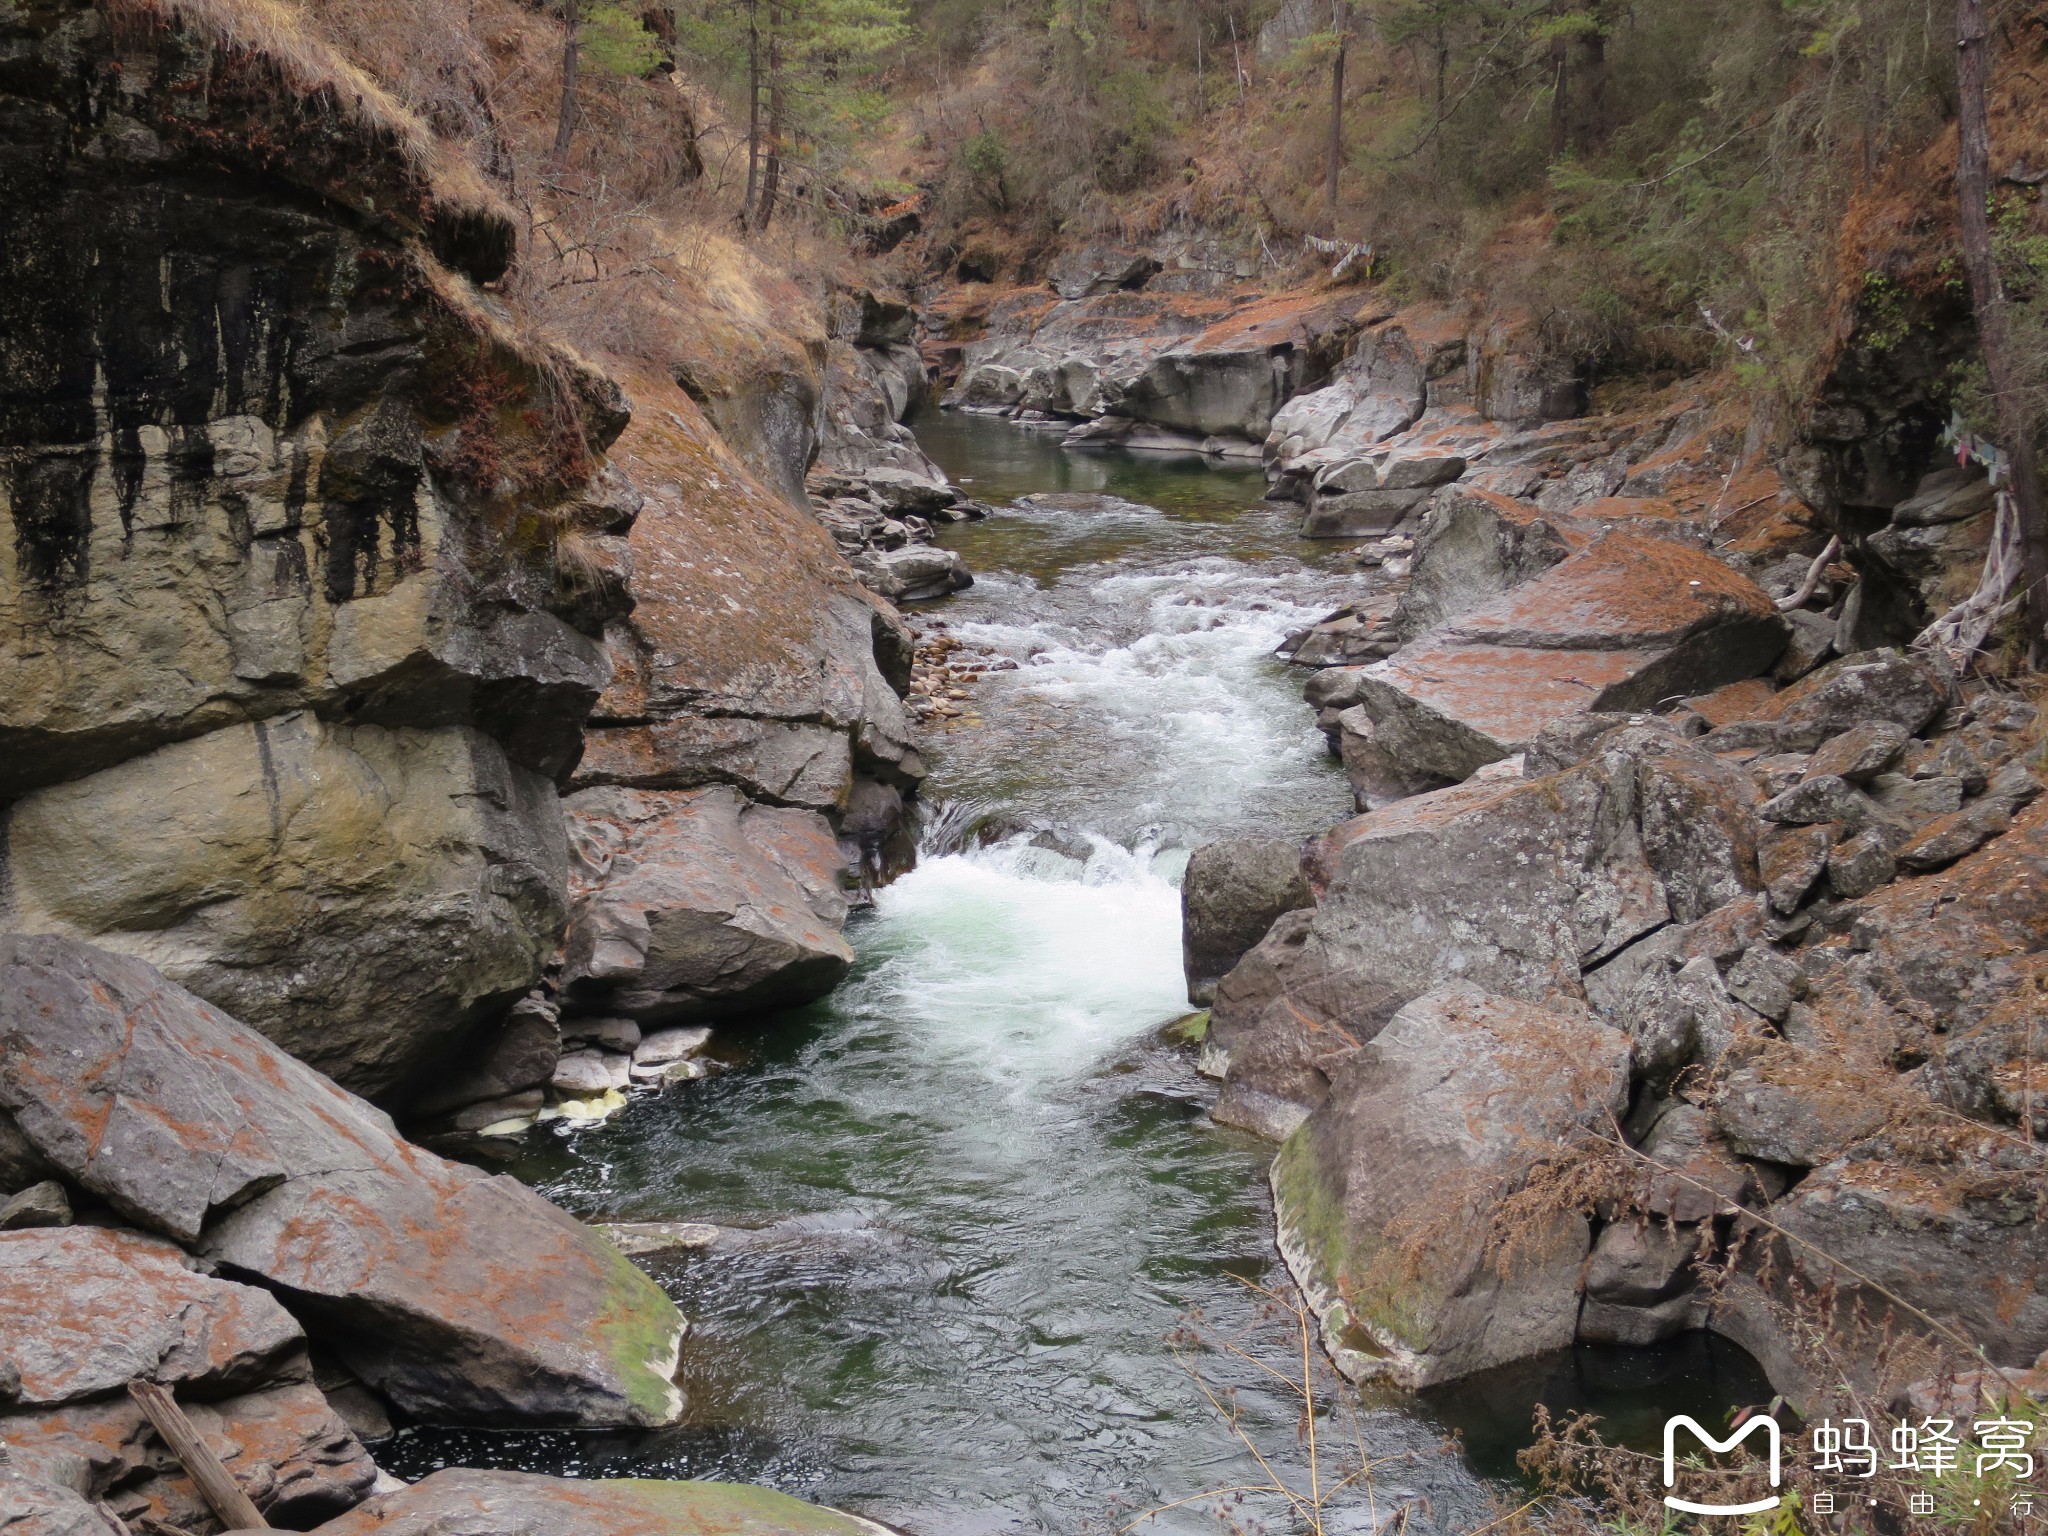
1871	686
38	1508
697	906
1798	1108
1767	980
666	1046
1230	896
1421	472
586	1072
1386	1192
622	1036
517	1054
1861	864
1945	1240
1948	838
1472	546
1861	752
1810	641
1360	514
1695	1177
1623	623
202	1130
513	1108
1283	1018
1637	1264
86	1310
1821	799
365	895
1913	801
914	574
1790	860
40	1205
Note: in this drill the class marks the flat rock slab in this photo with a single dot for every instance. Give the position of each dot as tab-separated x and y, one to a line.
86	1310
1622	624
460	1296
466	1502
697	906
1387	1191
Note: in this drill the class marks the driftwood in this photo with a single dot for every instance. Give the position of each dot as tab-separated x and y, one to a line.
216	1484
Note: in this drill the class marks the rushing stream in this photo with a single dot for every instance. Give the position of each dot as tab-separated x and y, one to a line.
979	1227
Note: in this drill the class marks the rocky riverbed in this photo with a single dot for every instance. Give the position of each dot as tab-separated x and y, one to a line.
431	753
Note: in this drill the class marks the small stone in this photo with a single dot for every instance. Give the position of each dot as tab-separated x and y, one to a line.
1828	797
1780	771
1947	838
1770	982
637	1239
585	1072
1916	800
1860	865
1790	859
668	1045
486	1113
40	1205
608	1034
1859	752
667	1073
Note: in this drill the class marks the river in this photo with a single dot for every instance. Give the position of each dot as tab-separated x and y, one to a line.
986	1260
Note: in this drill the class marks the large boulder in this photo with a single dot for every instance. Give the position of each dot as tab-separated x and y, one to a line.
1472	546
1964	1245
1231	894
1625	623
1388	1194
254	484
1517	886
699	906
458	1295
363	894
466	1502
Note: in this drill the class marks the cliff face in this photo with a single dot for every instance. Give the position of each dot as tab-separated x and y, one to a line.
315	556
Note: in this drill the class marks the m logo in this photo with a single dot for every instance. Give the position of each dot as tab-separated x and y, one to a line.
1762	1421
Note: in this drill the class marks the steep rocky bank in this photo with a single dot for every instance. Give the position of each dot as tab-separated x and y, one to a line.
388	680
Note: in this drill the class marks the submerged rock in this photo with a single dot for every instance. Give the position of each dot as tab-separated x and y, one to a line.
478	1503
197	1128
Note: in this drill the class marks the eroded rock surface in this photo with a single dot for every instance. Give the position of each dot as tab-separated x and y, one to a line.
457	1294
1388	1191
700	906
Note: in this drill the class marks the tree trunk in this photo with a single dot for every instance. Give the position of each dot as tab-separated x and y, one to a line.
1593	62
753	112
216	1484
565	119
771	172
1560	98
1336	160
1987	297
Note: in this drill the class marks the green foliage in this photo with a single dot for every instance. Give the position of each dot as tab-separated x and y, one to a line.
614	39
820	59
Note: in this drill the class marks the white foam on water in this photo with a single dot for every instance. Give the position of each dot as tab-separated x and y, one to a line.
1023	966
1189	716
